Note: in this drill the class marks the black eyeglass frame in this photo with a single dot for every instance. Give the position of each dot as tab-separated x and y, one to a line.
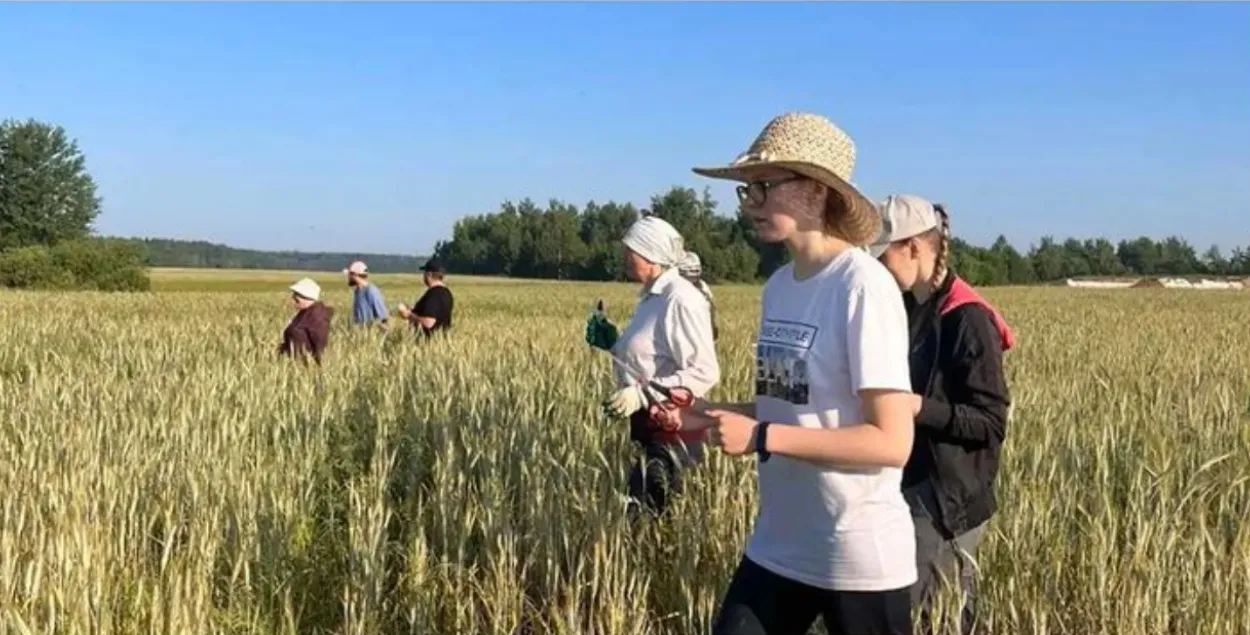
757	191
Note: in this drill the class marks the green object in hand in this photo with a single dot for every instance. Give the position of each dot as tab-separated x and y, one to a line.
600	332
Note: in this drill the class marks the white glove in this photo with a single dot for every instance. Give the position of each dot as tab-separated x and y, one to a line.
624	402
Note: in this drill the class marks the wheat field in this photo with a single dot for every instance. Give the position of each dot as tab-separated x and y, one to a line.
163	472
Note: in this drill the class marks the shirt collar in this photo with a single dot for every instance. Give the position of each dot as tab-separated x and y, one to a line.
661	284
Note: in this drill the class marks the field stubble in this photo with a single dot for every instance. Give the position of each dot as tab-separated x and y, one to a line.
163	472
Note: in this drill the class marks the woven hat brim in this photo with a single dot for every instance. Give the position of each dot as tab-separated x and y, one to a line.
861	209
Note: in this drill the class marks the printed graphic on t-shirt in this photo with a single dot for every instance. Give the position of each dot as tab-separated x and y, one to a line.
781	361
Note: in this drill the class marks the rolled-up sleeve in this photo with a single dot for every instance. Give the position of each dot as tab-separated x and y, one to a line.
688	332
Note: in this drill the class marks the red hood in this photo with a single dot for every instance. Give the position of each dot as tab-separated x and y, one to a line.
961	293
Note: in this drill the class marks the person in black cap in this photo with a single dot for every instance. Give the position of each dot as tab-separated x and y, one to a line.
432	311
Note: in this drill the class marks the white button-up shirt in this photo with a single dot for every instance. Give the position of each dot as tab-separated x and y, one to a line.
669	339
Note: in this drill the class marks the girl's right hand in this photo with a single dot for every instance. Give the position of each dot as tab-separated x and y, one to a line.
692	419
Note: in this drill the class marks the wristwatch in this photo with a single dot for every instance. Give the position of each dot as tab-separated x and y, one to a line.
761	441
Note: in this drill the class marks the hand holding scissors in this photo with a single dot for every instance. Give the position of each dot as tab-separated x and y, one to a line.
665	412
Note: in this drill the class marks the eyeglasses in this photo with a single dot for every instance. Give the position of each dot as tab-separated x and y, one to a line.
756	192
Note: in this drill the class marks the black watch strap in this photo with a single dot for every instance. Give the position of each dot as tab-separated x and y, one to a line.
761	441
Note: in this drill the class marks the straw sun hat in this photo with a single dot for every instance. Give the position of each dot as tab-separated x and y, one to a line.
813	146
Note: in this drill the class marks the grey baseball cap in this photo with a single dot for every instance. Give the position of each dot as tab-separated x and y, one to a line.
903	216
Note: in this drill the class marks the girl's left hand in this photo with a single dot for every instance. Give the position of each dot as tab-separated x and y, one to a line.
733	433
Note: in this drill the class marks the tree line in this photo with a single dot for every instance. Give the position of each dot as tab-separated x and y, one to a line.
48	204
561	241
165	252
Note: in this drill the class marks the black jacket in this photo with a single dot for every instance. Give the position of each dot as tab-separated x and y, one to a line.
957	366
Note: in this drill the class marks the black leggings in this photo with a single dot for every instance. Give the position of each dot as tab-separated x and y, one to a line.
760	602
655	478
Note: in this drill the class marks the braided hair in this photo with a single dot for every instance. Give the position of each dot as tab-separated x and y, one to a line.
711	302
943	239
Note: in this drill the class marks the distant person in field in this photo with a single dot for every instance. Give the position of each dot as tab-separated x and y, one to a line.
831	421
432	312
368	305
308	333
961	402
668	340
691	268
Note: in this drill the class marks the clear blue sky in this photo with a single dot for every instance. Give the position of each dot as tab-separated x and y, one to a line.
373	127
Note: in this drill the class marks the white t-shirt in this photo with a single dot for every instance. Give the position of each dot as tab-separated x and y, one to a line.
821	341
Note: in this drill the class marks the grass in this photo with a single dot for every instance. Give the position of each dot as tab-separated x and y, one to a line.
163	472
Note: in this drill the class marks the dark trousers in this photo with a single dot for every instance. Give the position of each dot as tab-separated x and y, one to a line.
942	559
760	602
655	478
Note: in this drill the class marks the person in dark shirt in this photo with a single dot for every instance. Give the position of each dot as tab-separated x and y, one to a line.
308	333
961	402
432	312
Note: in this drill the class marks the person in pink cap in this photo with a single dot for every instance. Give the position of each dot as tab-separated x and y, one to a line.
368	305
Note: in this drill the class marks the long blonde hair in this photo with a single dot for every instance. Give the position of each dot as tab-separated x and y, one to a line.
840	221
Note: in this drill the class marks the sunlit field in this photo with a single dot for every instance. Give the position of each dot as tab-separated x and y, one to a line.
163	471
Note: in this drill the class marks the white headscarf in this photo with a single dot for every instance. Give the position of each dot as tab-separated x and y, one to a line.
656	240
690	265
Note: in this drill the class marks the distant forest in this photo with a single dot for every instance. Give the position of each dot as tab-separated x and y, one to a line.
564	242
163	252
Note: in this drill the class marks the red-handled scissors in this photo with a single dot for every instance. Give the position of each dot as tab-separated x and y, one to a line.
675	398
